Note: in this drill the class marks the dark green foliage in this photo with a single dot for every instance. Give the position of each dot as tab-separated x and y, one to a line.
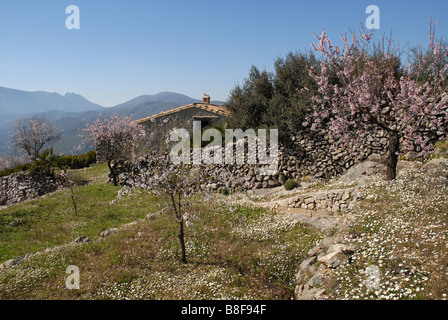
18	168
77	161
278	100
290	184
44	162
293	91
250	102
47	162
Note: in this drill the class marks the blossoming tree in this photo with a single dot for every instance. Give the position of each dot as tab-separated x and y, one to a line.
32	134
173	184
363	88
114	137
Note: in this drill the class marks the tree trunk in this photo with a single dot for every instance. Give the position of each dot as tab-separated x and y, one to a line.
392	157
112	172
73	199
182	240
181	228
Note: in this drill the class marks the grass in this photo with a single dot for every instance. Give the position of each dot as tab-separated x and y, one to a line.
442	145
233	252
50	221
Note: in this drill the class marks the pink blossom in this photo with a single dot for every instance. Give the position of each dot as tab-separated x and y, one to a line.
369	96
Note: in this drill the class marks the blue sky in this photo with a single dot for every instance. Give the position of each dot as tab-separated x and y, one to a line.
124	49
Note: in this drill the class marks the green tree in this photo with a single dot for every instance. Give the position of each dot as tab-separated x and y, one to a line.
293	89
275	100
250	102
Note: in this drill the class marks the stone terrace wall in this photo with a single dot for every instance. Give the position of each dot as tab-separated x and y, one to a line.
332	200
23	186
308	154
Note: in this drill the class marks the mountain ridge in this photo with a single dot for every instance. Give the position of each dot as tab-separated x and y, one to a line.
15	101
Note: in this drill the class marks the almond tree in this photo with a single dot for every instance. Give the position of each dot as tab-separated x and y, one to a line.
114	138
173	184
32	134
364	88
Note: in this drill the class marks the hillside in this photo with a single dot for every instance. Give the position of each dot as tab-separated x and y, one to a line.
134	252
243	246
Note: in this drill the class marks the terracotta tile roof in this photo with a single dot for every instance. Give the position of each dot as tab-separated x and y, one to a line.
221	110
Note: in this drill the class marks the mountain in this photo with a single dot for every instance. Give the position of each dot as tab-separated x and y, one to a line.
18	102
71	122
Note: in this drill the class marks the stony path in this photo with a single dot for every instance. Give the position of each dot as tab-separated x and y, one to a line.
282	203
309	206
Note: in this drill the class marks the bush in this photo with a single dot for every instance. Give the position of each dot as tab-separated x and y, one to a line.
76	161
44	162
290	184
19	168
280	100
48	161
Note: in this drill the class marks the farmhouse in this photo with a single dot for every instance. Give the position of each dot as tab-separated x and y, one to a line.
158	126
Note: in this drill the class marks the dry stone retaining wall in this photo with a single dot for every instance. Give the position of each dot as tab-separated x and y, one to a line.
307	154
23	186
332	200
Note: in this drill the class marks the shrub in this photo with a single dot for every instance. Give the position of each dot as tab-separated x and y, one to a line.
290	184
19	168
60	162
77	161
281	99
44	161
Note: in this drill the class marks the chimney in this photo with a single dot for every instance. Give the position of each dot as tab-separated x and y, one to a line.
206	98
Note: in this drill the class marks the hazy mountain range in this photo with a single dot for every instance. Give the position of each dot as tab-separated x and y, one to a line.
72	111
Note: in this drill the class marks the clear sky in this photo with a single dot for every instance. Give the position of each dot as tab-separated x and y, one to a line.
124	49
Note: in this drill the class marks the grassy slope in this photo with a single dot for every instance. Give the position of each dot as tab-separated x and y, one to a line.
247	253
244	253
50	221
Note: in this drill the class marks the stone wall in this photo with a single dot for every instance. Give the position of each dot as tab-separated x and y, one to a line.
313	154
23	186
159	128
307	154
331	200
